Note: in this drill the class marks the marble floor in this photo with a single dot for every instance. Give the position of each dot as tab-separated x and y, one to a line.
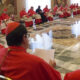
67	49
67	53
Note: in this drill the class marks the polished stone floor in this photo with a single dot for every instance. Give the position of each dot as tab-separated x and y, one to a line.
67	53
67	49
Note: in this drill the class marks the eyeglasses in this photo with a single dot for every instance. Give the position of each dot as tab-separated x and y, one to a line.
27	35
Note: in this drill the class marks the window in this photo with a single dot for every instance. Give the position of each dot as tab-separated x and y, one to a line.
36	3
75	1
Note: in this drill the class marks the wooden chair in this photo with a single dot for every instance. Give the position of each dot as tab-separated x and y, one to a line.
4	78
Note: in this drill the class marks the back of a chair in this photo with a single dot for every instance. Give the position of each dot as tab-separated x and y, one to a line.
47	55
4	78
4	57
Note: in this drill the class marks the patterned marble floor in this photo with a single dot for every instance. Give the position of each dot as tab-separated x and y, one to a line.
67	58
67	51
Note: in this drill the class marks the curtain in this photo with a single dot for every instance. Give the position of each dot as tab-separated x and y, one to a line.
36	3
60	2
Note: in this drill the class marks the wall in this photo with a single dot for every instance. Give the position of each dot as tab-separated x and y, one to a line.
9	5
20	5
52	4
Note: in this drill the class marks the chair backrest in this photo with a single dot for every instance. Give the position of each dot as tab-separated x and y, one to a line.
4	78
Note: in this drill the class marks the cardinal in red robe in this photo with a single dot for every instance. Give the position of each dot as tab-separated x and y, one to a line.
61	9
19	64
74	9
4	15
75	75
31	11
71	6
55	9
23	13
78	9
46	9
66	13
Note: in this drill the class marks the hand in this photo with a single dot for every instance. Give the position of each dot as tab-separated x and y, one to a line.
52	63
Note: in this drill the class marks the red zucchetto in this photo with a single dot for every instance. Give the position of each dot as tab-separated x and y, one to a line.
11	27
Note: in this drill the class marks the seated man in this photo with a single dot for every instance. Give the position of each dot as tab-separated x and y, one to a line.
38	19
38	10
46	9
28	21
75	75
42	14
25	17
60	12
55	10
43	17
23	13
66	12
4	15
74	9
48	13
78	8
71	6
49	16
4	25
31	11
33	14
20	65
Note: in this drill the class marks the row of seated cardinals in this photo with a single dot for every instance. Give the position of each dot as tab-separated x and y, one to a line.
42	15
66	11
63	12
4	15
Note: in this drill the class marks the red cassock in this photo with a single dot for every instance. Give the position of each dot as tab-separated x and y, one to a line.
78	11
22	13
74	12
28	24
1	46
20	65
75	75
4	16
71	6
31	12
38	21
46	10
61	15
66	14
55	8
3	31
61	8
50	18
0	18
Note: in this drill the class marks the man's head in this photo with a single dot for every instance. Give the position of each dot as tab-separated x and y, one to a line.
46	6
32	8
5	10
16	35
39	7
23	9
